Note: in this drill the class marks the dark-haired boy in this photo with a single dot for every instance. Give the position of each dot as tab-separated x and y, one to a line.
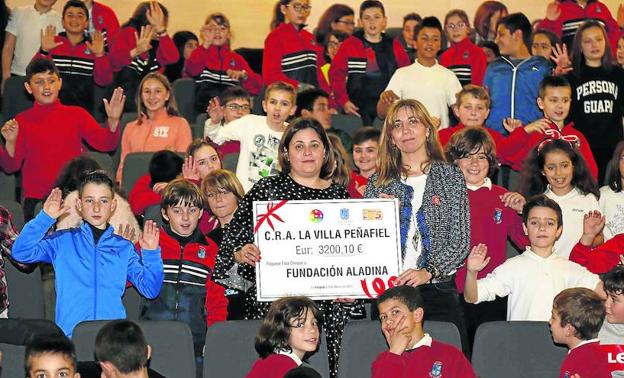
51	129
314	103
425	80
365	62
514	78
406	38
53	356
188	293
413	353
612	331
534	278
577	315
364	154
91	262
81	58
232	104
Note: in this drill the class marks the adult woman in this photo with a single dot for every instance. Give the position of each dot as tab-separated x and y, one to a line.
434	212
307	165
338	17
486	18
223	192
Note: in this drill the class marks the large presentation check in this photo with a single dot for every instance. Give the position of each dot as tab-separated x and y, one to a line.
326	249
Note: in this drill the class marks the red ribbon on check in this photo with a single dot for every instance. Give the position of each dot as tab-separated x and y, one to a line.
271	209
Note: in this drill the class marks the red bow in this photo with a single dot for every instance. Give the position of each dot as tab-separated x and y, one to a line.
271	209
554	135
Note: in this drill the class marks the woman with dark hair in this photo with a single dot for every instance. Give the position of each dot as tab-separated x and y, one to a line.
338	17
307	163
597	85
186	42
142	46
434	211
486	19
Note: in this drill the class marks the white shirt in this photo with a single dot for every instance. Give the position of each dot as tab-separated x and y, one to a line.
612	207
435	87
611	333
258	146
424	341
574	206
291	355
532	282
412	252
26	24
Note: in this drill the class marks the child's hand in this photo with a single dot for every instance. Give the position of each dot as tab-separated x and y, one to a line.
143	40
150	236
513	200
593	223
156	17
239	75
54	205
97	44
360	188
399	337
215	111
553	11
10	131
47	39
541	125
126	232
562	60
350	108
477	259
388	97
159	187
510	124
189	169
207	33
114	108
249	254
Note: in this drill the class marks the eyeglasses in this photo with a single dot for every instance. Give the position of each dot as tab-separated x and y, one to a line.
300	7
219	194
457	26
237	107
350	23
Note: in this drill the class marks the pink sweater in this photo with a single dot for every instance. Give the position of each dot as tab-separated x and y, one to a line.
162	132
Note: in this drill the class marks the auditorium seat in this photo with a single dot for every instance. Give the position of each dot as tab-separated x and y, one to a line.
17	212
184	93
132	303
153	213
171	342
346	122
15	99
104	160
25	292
362	341
7	186
236	338
516	349
136	165
125	119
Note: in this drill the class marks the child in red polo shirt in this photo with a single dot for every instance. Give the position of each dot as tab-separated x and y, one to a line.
577	316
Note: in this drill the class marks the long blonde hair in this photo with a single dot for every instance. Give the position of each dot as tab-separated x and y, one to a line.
390	161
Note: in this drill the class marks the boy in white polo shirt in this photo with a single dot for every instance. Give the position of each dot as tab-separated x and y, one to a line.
534	278
425	80
23	35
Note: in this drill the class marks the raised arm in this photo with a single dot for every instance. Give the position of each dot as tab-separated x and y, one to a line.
146	271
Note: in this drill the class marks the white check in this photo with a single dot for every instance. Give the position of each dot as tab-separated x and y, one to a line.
326	249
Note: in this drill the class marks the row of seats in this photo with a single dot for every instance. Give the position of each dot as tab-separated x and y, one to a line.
501	349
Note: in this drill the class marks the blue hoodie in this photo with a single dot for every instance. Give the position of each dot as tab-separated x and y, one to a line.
513	86
90	279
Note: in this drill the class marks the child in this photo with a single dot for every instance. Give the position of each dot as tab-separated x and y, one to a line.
23	33
51	357
157	127
512	80
365	63
602	258
142	46
577	315
493	215
164	166
215	67
490	49
102	18
80	57
554	100
413	353
612	331
30	144
542	43
291	54
611	196
233	103
289	334
92	250
259	135
556	169
188	293
532	279
365	150
314	103
464	58
410	21
425	80
619	54
122	350
186	42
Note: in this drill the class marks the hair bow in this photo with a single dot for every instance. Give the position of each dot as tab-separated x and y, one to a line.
554	135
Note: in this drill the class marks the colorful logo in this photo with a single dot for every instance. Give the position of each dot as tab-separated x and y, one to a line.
436	370
344	214
498	216
316	216
372	214
201	253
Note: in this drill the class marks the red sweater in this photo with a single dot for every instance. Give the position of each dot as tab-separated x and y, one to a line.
356	179
587	360
50	136
519	144
601	258
105	20
491	223
353	59
293	56
444	135
438	360
273	366
124	41
142	196
573	15
467	61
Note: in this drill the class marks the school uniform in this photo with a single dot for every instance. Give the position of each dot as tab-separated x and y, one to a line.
466	60
588	360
